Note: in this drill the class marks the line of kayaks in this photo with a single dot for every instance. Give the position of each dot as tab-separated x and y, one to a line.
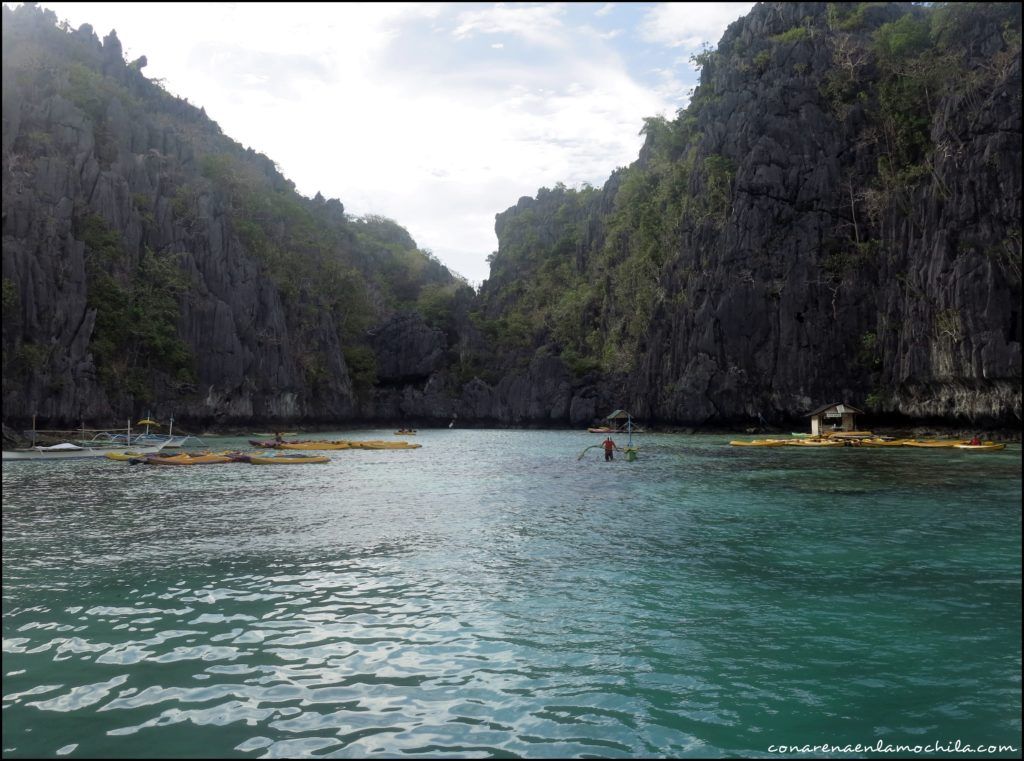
216	458
872	441
338	444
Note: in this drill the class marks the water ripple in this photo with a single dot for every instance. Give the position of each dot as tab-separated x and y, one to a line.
701	601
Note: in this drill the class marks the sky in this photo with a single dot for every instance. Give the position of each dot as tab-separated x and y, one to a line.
437	115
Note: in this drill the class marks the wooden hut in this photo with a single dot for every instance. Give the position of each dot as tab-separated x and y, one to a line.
618	419
834	417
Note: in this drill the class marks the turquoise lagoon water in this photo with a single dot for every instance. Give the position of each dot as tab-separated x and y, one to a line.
489	595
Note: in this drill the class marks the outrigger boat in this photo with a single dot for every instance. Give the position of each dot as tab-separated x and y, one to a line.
614	426
630	450
147	438
67	450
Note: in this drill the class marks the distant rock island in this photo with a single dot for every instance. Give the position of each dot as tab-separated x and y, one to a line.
836	215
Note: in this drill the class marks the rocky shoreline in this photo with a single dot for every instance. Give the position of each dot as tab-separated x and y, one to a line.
14	438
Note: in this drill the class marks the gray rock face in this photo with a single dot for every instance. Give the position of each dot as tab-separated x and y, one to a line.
817	281
407	349
787	298
97	141
794	277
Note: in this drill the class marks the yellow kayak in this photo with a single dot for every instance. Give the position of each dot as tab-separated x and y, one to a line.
123	456
188	459
987	446
127	456
760	443
815	443
934	444
849	434
293	460
383	445
343	444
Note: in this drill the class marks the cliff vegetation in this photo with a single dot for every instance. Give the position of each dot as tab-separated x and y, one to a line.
835	215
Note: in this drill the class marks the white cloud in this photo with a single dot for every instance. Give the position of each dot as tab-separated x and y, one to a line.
690	24
403	110
538	24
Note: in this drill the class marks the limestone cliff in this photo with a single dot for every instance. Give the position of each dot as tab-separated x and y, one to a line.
152	263
836	216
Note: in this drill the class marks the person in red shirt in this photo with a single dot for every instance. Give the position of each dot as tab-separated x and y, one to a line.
609	449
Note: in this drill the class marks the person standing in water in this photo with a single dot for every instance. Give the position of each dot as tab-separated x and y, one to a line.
609	449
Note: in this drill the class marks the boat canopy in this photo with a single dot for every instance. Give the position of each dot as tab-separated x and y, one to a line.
619	415
837	407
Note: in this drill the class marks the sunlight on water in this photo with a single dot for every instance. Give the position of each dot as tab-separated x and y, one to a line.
491	595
